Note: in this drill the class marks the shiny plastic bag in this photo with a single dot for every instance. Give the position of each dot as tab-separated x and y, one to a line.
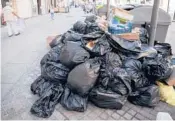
167	93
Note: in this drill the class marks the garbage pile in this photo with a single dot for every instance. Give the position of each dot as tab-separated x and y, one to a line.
88	64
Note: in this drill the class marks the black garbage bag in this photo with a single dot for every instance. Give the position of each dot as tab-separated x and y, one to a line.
157	68
40	85
73	102
92	36
124	46
55	71
51	68
146	51
56	41
143	35
83	77
105	98
164	49
52	56
91	18
95	44
45	106
80	27
109	62
73	54
136	72
145	96
112	60
121	83
126	56
92	27
71	36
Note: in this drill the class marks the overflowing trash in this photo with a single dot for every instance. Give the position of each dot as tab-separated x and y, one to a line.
88	63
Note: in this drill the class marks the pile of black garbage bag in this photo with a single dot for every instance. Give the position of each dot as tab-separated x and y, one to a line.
86	64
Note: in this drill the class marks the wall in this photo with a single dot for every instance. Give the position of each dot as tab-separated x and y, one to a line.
43	7
24	8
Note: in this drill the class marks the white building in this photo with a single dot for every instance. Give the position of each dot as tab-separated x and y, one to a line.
29	8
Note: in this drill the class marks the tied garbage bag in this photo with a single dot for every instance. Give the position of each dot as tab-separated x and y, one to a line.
45	106
91	19
121	83
54	71
109	62
71	36
83	77
51	68
145	96
112	60
92	27
73	102
105	98
167	93
157	68
96	43
80	27
73	54
164	49
135	70
39	86
52	56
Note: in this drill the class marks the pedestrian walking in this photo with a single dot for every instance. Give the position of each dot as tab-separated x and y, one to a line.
52	13
11	18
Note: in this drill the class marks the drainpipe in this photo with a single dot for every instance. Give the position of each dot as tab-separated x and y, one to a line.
154	18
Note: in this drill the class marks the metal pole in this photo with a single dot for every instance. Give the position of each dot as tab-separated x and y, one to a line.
154	18
108	9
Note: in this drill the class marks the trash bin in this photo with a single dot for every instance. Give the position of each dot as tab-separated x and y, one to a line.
143	14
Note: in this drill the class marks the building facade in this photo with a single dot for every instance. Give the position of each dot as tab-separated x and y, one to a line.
29	8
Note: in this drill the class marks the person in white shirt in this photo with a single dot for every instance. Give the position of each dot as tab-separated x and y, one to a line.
10	18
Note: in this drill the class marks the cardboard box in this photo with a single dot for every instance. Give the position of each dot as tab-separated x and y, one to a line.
130	36
49	40
122	14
